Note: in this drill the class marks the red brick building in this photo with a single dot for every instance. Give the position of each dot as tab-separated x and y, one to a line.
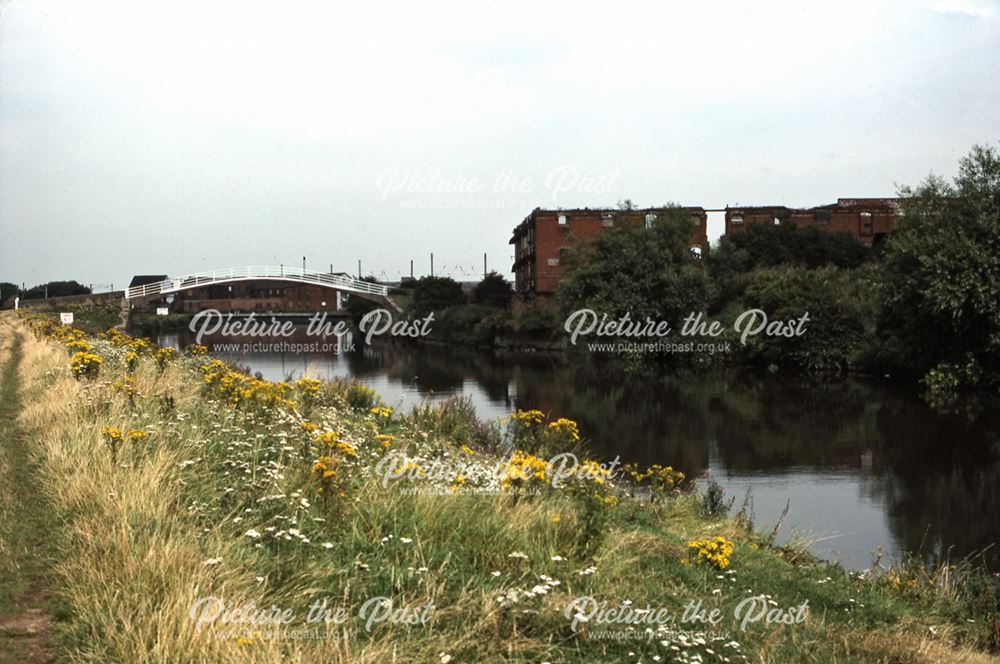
868	220
541	240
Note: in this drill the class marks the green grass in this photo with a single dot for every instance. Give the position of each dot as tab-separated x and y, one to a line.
139	535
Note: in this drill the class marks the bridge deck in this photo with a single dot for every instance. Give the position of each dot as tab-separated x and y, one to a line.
258	272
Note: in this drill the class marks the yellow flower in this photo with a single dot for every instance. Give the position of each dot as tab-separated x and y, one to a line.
111	433
528	417
79	346
714	551
522	469
308	386
135	435
457	483
85	365
164	356
565	427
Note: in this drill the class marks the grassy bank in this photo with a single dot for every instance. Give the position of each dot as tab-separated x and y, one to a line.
176	479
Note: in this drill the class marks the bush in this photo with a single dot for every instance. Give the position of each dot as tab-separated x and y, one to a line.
541	321
436	293
494	291
841	316
765	246
469	324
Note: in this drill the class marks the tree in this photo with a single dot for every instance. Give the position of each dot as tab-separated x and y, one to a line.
941	271
636	270
8	290
55	289
767	245
494	291
436	293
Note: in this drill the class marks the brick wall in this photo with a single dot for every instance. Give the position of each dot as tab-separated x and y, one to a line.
868	220
262	296
540	239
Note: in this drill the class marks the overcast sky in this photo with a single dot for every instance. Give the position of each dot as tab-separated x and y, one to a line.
184	137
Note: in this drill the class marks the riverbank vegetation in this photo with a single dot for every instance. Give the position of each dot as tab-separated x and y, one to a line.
175	478
920	306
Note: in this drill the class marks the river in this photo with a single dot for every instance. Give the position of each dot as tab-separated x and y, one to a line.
861	464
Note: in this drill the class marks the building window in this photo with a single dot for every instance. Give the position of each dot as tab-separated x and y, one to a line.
737	219
563	220
553	262
607	219
777	222
650	219
866	223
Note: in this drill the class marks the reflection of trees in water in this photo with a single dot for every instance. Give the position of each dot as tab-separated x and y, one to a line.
941	487
648	421
757	424
780	422
442	369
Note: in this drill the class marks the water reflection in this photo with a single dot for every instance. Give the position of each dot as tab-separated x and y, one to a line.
864	464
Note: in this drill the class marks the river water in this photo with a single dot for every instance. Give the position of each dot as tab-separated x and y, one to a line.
861	464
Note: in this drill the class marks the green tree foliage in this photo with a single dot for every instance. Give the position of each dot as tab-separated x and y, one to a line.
494	291
55	289
941	271
436	293
8	290
766	245
636	270
841	311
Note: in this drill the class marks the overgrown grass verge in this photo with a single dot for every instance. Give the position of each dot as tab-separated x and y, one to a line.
178	479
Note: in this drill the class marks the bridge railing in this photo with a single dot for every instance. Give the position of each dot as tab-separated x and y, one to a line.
293	274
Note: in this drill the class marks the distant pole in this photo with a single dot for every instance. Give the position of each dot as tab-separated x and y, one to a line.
359	268
484	265
331	268
282	269
432	263
46	291
303	263
411	268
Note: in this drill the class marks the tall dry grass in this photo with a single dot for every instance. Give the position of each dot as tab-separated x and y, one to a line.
132	565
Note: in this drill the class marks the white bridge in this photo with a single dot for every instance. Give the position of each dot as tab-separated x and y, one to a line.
261	273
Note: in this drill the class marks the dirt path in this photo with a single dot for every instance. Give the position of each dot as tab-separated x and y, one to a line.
26	530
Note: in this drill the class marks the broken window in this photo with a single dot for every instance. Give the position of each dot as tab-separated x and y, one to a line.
866	223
